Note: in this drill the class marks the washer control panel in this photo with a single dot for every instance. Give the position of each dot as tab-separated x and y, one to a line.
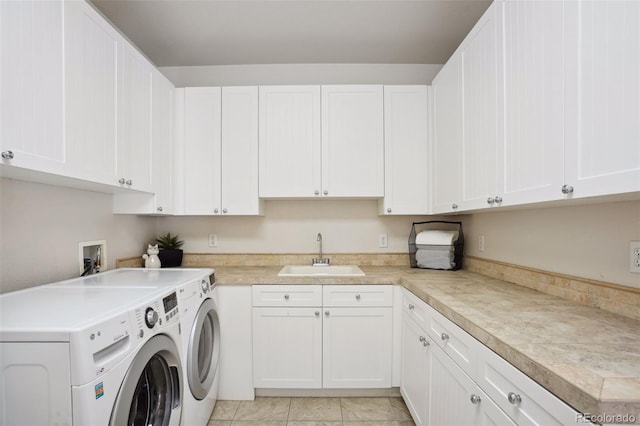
160	312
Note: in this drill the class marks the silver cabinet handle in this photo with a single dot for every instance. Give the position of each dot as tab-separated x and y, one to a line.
317	313
444	336
490	201
454	206
567	189
216	211
422	338
325	192
326	313
316	192
475	399
411	307
286	297
7	155
357	297
121	181
129	182
514	398
224	210
159	208
388	209
498	199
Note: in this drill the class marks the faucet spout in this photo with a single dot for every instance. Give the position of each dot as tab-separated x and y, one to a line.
320	261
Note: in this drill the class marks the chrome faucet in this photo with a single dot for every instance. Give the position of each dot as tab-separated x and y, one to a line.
320	261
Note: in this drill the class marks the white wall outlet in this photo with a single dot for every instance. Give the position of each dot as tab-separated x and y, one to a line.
382	241
481	243
634	256
213	240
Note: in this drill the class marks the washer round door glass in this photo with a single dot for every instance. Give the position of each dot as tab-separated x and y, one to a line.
204	350
150	392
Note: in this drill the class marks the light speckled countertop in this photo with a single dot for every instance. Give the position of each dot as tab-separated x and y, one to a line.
588	357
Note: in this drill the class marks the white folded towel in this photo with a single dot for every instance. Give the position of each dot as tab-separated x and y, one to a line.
442	258
437	238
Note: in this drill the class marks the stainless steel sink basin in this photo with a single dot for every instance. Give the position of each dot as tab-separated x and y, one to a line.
321	271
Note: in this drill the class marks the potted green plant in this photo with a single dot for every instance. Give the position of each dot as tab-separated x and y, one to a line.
170	253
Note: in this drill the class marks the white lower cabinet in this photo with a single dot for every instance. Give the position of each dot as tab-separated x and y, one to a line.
441	387
298	346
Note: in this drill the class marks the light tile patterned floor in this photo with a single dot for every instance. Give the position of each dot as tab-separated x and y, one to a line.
312	412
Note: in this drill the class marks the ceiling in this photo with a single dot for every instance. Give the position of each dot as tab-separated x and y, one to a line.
238	32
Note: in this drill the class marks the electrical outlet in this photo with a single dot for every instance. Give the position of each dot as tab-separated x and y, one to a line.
382	241
634	256
481	243
213	240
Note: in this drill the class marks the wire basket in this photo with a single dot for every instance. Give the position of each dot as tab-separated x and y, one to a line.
423	226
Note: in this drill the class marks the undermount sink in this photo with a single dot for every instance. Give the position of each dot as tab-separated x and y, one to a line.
321	271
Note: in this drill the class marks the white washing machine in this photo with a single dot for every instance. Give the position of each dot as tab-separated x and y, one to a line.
90	356
201	349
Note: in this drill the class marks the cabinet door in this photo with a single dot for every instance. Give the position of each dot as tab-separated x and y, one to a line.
603	109
287	348
447	141
450	392
162	147
415	369
201	150
32	85
239	157
406	158
134	115
479	55
357	347
289	142
92	49
532	152
352	141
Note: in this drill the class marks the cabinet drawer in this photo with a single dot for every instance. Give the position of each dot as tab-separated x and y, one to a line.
456	342
357	295
287	295
525	401
416	308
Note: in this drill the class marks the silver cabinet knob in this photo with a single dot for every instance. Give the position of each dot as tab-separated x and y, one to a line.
317	313
425	343
498	199
567	189
216	211
357	297
475	399
121	181
411	307
490	201
129	182
286	297
325	192
159	208
444	337
422	338
388	209
224	210
7	155
316	192
326	313
514	398
454	206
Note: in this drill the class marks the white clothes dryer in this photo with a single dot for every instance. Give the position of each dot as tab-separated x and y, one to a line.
90	356
201	349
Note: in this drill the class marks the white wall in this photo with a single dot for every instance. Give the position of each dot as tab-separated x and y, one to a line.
41	226
590	241
347	226
238	75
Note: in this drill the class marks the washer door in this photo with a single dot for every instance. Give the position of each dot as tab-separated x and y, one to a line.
151	391
204	350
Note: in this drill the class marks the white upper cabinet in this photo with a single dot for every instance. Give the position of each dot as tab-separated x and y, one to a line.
217	145
161	142
352	141
603	87
134	120
446	188
92	59
406	157
239	158
532	152
32	85
289	141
